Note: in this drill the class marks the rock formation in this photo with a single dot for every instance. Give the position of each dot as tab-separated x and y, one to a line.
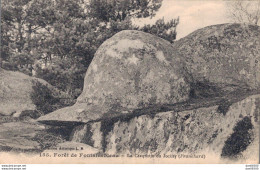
143	96
226	130
225	56
131	70
17	91
19	136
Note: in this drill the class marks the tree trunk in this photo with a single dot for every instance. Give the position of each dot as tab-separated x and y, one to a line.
20	35
29	35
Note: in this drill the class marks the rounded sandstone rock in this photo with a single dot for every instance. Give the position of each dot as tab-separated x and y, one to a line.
134	70
25	96
226	55
131	70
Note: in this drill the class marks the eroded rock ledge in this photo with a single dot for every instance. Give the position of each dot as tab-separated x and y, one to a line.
225	130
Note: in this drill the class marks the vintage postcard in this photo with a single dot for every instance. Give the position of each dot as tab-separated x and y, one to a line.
129	81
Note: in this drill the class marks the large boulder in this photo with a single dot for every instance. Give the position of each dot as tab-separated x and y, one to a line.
22	95
225	56
134	70
131	70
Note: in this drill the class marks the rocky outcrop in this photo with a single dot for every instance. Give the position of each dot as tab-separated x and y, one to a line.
131	70
224	129
18	136
22	95
139	98
225	56
30	136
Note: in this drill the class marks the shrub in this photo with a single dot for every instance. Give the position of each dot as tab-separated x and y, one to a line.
43	98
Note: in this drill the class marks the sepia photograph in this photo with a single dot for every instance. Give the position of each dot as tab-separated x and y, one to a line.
130	82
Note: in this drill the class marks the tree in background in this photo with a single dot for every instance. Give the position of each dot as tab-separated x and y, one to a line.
56	39
244	11
48	35
21	20
165	30
6	25
116	12
106	10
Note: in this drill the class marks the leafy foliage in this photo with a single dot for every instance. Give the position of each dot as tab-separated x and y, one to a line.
43	98
121	9
162	29
46	100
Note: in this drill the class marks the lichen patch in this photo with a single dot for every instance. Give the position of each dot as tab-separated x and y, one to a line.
113	53
160	56
125	44
133	60
94	67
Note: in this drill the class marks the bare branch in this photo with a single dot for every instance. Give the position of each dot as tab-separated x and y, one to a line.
244	11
